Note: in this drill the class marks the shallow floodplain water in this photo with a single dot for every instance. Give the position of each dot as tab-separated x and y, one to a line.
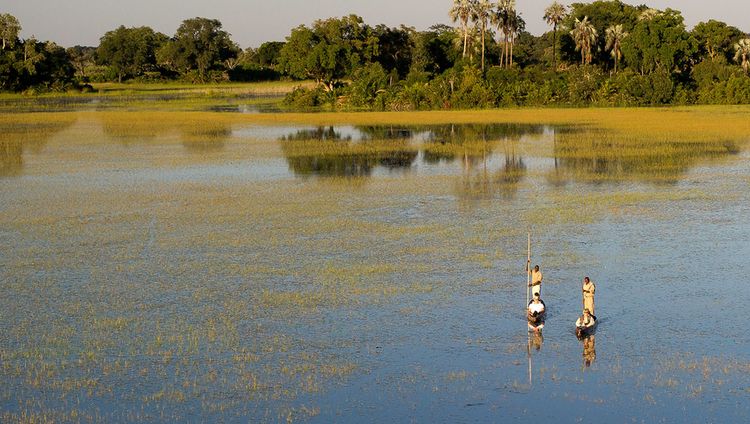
348	273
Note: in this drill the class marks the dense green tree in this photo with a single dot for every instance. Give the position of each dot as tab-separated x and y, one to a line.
369	81
716	39
554	15
129	51
395	48
267	55
9	30
82	58
329	51
660	42
529	50
601	14
35	64
433	52
708	72
199	45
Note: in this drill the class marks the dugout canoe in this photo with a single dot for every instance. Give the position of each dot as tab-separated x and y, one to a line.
586	330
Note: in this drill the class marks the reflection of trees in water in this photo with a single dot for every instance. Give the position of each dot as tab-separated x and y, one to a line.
386	132
347	164
343	156
344	165
397	159
435	157
17	138
601	158
480	182
320	133
449	133
461	133
332	155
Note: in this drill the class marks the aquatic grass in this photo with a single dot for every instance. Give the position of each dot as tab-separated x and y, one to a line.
191	297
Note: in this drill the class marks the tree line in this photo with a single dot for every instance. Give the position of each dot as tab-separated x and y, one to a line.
603	53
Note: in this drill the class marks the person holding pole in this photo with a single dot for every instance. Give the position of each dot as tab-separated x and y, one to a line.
589	288
536	278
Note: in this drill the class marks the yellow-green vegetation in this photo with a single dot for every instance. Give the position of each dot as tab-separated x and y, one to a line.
269	88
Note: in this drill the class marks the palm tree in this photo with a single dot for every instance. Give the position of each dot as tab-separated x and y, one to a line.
554	15
473	41
461	12
648	14
505	18
584	34
742	54
615	34
481	12
516	25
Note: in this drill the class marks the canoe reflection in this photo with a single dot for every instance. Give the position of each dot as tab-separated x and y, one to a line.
537	339
589	350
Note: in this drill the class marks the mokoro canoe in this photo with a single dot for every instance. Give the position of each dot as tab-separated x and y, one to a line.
585	330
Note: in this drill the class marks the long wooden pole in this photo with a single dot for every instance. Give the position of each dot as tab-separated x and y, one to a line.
528	280
528	270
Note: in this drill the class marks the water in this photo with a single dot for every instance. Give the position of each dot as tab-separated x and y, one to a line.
251	274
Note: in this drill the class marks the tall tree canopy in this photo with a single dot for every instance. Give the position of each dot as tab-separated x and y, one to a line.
9	29
198	45
715	39
328	51
395	46
433	50
554	15
129	51
614	36
584	35
461	12
601	14
660	42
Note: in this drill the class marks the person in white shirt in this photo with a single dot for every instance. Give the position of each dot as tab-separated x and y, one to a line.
586	320
536	306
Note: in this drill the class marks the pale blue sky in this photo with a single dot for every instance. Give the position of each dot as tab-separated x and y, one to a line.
251	22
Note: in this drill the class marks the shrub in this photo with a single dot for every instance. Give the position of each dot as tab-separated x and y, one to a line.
303	98
367	83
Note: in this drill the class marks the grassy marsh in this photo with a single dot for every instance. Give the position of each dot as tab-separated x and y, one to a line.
172	276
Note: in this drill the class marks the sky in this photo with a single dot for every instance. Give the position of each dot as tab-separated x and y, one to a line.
252	22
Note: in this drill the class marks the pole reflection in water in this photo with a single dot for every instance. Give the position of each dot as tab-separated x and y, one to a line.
535	341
